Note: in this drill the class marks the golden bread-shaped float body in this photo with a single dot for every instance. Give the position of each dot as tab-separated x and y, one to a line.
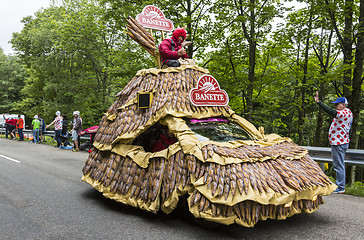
226	182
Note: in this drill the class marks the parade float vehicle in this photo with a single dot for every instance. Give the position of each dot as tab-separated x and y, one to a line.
230	171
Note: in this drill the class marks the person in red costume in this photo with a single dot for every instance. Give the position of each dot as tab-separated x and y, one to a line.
10	126
165	139
171	49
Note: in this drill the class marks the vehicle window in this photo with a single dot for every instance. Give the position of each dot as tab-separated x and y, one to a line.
217	129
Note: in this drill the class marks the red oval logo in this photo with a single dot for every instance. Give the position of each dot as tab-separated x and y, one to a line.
208	93
152	17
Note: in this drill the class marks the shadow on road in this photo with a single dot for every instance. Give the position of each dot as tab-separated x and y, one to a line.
181	216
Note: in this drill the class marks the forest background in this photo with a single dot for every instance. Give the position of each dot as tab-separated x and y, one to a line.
76	55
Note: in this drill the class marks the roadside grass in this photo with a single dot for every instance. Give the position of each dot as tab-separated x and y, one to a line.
357	189
46	140
49	141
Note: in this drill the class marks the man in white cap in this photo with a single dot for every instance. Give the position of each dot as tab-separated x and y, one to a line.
338	136
77	128
35	127
57	127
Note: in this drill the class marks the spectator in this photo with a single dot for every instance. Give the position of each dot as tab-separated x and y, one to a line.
20	127
57	127
41	127
35	127
76	129
338	136
64	125
10	126
5	126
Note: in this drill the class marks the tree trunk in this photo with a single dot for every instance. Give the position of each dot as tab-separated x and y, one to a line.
347	47
324	69
252	51
189	29
357	76
320	120
302	110
251	77
352	79
345	40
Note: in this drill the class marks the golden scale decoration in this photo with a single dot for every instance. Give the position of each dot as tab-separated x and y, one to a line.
243	181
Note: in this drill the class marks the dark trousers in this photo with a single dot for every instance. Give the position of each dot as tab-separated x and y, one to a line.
21	135
11	131
172	63
58	137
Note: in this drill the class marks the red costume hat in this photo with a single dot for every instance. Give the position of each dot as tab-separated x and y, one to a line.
179	32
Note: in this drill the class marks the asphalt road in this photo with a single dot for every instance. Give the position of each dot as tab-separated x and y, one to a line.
42	197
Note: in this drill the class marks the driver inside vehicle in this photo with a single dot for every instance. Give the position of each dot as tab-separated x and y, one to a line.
166	138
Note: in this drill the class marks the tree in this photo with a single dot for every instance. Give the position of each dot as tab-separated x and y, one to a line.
347	19
192	14
12	75
245	25
77	60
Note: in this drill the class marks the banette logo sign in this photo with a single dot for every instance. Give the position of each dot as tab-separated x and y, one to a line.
208	93
152	17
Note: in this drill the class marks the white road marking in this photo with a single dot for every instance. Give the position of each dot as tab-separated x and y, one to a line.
10	159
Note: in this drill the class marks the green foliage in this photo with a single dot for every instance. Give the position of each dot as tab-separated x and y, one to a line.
357	189
12	76
77	56
76	59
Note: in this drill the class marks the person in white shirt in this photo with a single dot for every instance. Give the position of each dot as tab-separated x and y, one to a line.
57	127
339	136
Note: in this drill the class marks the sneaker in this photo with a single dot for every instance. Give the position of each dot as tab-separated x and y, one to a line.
75	150
339	191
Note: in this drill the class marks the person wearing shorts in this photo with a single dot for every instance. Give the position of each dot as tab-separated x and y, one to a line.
77	128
